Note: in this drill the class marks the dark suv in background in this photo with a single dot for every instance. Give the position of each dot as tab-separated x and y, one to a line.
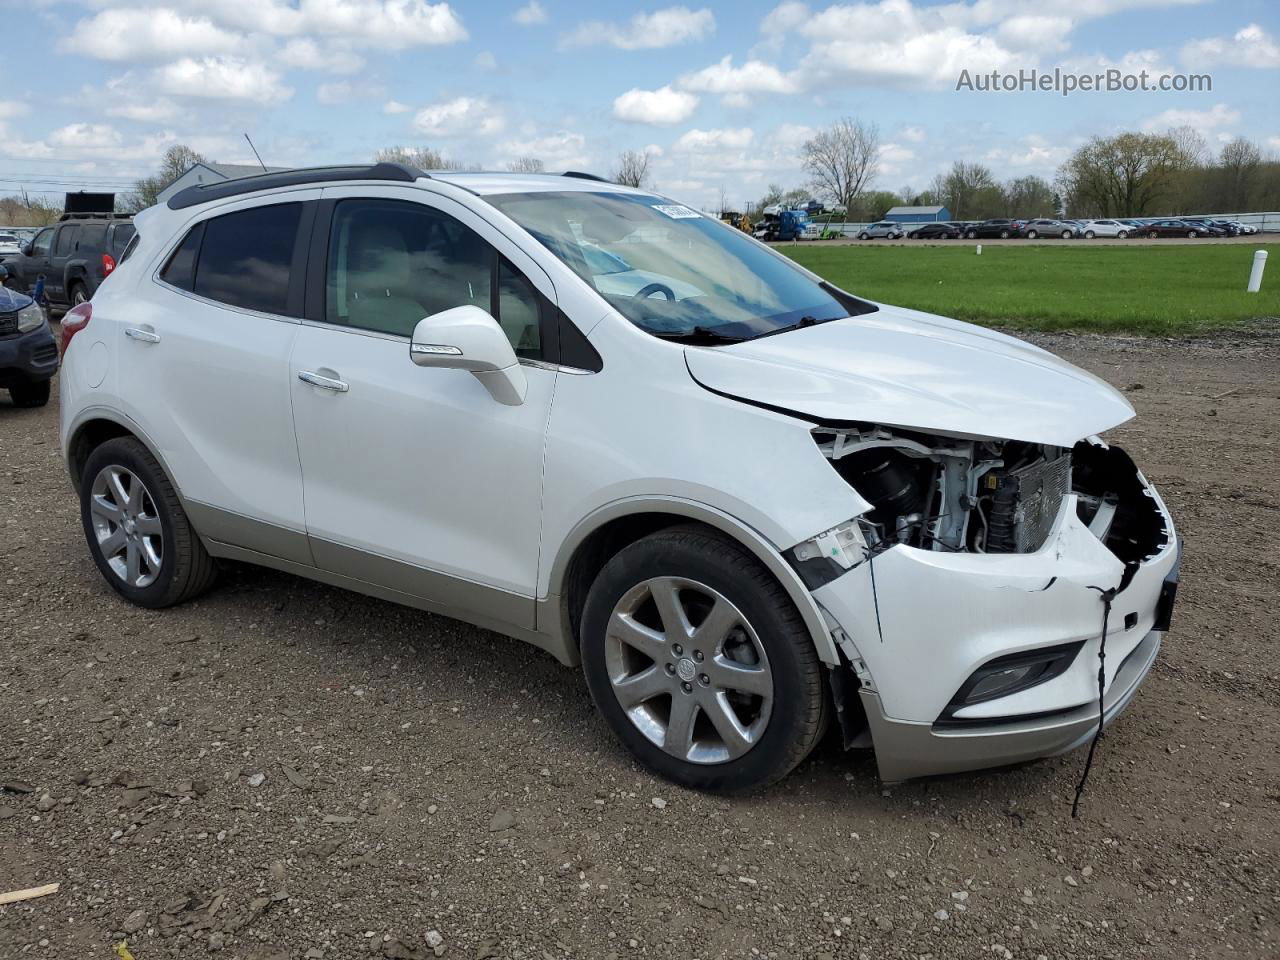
993	229
74	256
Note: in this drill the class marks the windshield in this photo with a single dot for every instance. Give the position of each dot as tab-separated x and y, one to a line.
670	270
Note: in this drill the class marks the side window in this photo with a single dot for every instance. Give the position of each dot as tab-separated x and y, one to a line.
519	311
121	234
245	257
66	240
180	271
40	245
92	239
392	262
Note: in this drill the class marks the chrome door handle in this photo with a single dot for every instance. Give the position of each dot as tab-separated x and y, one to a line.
144	336
327	383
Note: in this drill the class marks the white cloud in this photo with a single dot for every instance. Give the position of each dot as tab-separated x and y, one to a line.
1218	117
557	151
148	34
395	106
646	31
1030	154
895	159
1249	47
224	78
1134	61
160	110
331	94
10	109
702	141
485	60
306	54
531	13
86	136
913	134
754	76
462	116
1035	32
663	106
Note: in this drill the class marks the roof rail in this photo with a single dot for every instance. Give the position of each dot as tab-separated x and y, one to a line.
585	176
203	192
87	215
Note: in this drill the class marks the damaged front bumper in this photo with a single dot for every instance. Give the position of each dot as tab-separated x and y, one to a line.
916	624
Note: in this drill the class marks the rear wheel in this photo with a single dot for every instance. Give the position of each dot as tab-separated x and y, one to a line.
1123	234
1066	234
1192	234
30	394
863	235
1152	235
138	533
972	235
700	663
1089	234
1004	235
78	294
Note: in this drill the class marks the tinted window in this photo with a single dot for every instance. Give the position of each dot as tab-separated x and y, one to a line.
180	270
66	240
391	263
245	257
121	234
92	236
40	245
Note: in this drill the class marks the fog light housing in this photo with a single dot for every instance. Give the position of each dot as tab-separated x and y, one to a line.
1010	674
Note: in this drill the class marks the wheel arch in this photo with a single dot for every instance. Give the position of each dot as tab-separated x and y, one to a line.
95	427
600	535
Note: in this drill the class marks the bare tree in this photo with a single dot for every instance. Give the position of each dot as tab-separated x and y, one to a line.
526	165
176	161
424	158
1238	163
843	159
633	169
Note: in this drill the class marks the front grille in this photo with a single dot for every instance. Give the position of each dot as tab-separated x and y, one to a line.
1041	487
8	324
45	352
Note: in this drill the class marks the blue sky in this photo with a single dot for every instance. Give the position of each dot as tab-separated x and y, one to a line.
722	95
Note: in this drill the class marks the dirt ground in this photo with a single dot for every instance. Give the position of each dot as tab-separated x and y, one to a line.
285	770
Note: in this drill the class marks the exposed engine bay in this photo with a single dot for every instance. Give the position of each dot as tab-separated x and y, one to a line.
991	496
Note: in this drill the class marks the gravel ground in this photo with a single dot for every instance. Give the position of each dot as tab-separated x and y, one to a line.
284	770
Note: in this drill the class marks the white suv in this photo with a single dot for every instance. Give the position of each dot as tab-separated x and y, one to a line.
748	503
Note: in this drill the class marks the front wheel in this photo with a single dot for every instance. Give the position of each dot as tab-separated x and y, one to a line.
862	236
30	394
1152	235
1004	235
1089	234
700	663
1031	234
972	235
1192	234
138	534
1123	234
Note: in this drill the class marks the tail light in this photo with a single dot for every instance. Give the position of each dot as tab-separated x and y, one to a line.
108	264
75	320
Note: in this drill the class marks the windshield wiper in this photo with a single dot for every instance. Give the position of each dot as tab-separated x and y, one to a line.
700	335
805	321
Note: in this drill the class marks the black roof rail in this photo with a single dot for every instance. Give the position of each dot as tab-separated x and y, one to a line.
585	176
203	192
94	216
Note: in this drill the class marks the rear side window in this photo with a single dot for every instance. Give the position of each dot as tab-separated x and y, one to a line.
92	236
65	242
245	257
121	234
180	271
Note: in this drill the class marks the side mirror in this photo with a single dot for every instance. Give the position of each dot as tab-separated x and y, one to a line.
25	249
468	338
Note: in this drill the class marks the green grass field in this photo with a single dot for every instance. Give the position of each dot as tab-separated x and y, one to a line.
1147	289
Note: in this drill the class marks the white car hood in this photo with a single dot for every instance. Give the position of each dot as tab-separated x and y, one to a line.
904	368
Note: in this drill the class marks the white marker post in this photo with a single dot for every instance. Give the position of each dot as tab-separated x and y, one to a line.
1255	275
979	249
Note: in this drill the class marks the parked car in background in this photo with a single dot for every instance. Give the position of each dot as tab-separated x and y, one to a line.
593	464
933	231
1246	229
1001	228
1104	228
814	208
28	353
1043	227
74	256
10	246
1172	228
887	229
1229	227
1205	228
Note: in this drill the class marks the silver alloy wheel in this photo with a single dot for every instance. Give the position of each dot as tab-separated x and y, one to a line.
126	525
77	295
689	670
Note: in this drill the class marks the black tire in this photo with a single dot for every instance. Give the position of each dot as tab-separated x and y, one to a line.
1123	234
799	712
1089	234
862	236
186	569
30	394
1066	234
77	294
972	235
1192	234
1152	235
1031	234
1004	234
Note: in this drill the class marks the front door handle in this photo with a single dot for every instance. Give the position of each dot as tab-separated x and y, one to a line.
327	383
142	335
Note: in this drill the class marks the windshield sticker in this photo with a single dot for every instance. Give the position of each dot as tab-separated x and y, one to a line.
675	211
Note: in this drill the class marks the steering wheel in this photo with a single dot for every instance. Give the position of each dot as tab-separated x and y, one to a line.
651	289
